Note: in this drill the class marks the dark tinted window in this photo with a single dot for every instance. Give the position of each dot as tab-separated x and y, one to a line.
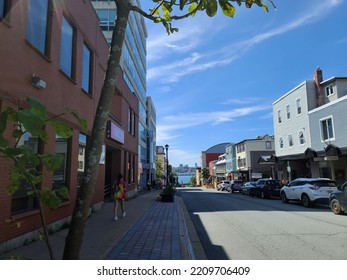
273	183
324	183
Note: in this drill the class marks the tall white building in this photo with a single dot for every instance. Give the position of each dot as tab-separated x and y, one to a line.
133	63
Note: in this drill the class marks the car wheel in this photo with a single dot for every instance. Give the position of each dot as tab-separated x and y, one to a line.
284	197
305	200
335	206
251	193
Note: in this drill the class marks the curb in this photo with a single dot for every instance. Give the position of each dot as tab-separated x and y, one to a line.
190	242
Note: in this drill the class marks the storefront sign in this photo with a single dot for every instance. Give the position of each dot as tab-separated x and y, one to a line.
115	132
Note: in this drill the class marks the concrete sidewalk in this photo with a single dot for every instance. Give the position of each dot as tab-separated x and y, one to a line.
150	230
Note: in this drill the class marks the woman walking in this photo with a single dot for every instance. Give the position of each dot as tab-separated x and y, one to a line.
119	196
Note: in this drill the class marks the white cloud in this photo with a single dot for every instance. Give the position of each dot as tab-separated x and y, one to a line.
171	124
194	36
247	100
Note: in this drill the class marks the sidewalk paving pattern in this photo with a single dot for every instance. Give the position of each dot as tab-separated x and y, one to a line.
155	236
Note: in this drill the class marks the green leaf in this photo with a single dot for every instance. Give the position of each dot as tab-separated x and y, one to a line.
211	8
37	108
3	142
13	152
227	8
61	128
83	123
33	123
17	133
192	8
52	161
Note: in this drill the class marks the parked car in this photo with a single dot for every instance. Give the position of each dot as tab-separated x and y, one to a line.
266	188
223	185
338	199
235	186
308	190
247	187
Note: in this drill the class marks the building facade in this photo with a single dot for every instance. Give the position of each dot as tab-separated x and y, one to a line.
312	141
248	153
57	54
133	64
151	139
211	154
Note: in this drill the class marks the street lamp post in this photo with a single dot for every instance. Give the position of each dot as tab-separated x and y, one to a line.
167	163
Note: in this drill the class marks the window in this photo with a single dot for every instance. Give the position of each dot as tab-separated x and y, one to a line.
298	106
60	176
107	18
279	116
301	138
327	131
329	90
86	68
4	8
21	200
66	48
268	145
37	23
281	142
131	121
290	140
288	112
81	157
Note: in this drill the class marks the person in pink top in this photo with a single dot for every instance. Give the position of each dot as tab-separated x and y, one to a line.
119	196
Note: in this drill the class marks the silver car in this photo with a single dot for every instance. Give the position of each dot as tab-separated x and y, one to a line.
308	190
223	185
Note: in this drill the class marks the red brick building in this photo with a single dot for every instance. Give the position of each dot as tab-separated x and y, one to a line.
57	54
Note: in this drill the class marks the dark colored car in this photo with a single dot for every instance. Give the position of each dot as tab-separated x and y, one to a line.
338	199
266	188
246	188
235	186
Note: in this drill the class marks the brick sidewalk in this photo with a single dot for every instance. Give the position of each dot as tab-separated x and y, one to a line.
155	236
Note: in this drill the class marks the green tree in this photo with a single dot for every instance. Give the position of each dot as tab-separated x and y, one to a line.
163	12
205	173
192	180
159	169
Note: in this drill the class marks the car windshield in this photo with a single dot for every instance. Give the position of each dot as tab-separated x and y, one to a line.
237	182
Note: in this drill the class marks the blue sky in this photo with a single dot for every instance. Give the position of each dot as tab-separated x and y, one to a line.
216	79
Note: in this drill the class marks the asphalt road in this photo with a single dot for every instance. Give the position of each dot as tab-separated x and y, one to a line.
235	226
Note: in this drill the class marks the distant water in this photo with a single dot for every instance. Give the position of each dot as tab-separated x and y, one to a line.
184	179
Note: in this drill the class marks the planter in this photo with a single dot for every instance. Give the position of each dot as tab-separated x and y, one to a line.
167	197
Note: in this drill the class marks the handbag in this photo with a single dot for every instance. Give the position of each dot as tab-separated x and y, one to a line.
119	191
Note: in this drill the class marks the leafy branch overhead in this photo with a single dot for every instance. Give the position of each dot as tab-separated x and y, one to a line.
166	11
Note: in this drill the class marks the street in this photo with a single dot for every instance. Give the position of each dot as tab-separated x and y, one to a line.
239	227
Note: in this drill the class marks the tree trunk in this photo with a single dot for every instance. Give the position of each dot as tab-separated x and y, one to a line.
74	239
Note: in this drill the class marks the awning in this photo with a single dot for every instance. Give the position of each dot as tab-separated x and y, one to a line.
332	150
267	159
310	153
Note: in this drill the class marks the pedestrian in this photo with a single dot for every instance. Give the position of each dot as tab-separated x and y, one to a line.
119	196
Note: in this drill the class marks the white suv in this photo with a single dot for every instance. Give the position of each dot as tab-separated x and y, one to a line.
308	190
